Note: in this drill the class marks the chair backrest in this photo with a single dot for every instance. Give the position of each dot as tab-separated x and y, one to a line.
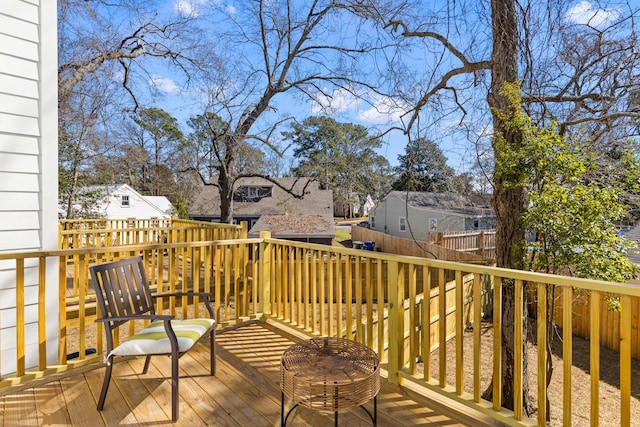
122	289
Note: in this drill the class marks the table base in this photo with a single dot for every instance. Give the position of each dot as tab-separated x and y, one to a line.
373	416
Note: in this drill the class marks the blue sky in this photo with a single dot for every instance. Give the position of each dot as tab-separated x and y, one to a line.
378	112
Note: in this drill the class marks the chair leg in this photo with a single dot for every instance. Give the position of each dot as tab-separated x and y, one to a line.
147	360
174	388
212	350
105	383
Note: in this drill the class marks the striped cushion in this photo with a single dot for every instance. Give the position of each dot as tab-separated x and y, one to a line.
153	339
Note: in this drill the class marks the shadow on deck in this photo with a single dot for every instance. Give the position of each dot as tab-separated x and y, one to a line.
244	392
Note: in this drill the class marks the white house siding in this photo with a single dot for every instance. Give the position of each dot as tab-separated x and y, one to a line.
139	206
28	166
418	220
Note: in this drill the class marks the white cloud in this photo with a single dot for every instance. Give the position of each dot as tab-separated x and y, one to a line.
231	10
376	110
164	84
384	110
584	13
339	101
191	8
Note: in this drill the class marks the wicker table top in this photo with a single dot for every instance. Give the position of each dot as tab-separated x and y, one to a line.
330	374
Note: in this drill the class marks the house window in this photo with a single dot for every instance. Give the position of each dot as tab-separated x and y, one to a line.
403	224
373	222
251	193
433	224
124	201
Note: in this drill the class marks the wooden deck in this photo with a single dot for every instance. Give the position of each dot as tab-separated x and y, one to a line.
244	392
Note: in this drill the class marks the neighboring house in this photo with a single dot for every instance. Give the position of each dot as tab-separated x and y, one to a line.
122	202
28	167
265	206
309	228
366	207
633	233
415	214
349	210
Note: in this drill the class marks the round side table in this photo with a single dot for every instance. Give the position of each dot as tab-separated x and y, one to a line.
329	374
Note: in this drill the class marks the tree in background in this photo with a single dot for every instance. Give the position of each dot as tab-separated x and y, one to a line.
581	237
271	48
208	145
82	141
157	139
342	156
107	52
424	167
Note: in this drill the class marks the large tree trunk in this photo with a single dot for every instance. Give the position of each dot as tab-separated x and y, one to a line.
508	199
225	187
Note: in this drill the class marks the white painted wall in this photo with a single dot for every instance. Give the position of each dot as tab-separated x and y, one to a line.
418	219
139	206
28	165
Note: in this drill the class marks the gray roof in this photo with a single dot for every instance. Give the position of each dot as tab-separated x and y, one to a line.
295	226
314	201
451	202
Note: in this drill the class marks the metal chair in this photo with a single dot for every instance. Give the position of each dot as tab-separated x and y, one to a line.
123	294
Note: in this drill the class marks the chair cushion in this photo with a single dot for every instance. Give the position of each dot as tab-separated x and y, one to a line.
153	339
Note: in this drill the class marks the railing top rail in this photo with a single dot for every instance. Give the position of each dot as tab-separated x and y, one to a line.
123	249
164	228
529	276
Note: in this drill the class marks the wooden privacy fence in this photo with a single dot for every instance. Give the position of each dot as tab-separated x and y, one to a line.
478	242
608	317
400	246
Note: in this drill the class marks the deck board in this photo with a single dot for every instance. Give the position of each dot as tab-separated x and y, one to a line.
244	393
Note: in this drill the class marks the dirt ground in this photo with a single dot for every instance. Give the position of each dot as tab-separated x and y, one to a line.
581	401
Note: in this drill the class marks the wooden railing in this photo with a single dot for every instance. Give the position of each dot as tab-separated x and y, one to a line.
74	234
424	317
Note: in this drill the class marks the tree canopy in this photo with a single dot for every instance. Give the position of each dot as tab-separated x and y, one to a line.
342	156
424	167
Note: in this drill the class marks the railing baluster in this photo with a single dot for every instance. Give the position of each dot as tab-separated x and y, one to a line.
20	318
357	283
518	349
567	352
625	360
542	354
339	286
459	306
594	357
315	284
477	325
413	321
497	344
348	290
426	324
381	298
323	258
442	327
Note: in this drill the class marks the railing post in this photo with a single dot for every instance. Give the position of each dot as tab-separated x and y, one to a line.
244	230
396	321
264	282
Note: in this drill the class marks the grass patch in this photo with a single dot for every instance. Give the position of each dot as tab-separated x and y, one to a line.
343	238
